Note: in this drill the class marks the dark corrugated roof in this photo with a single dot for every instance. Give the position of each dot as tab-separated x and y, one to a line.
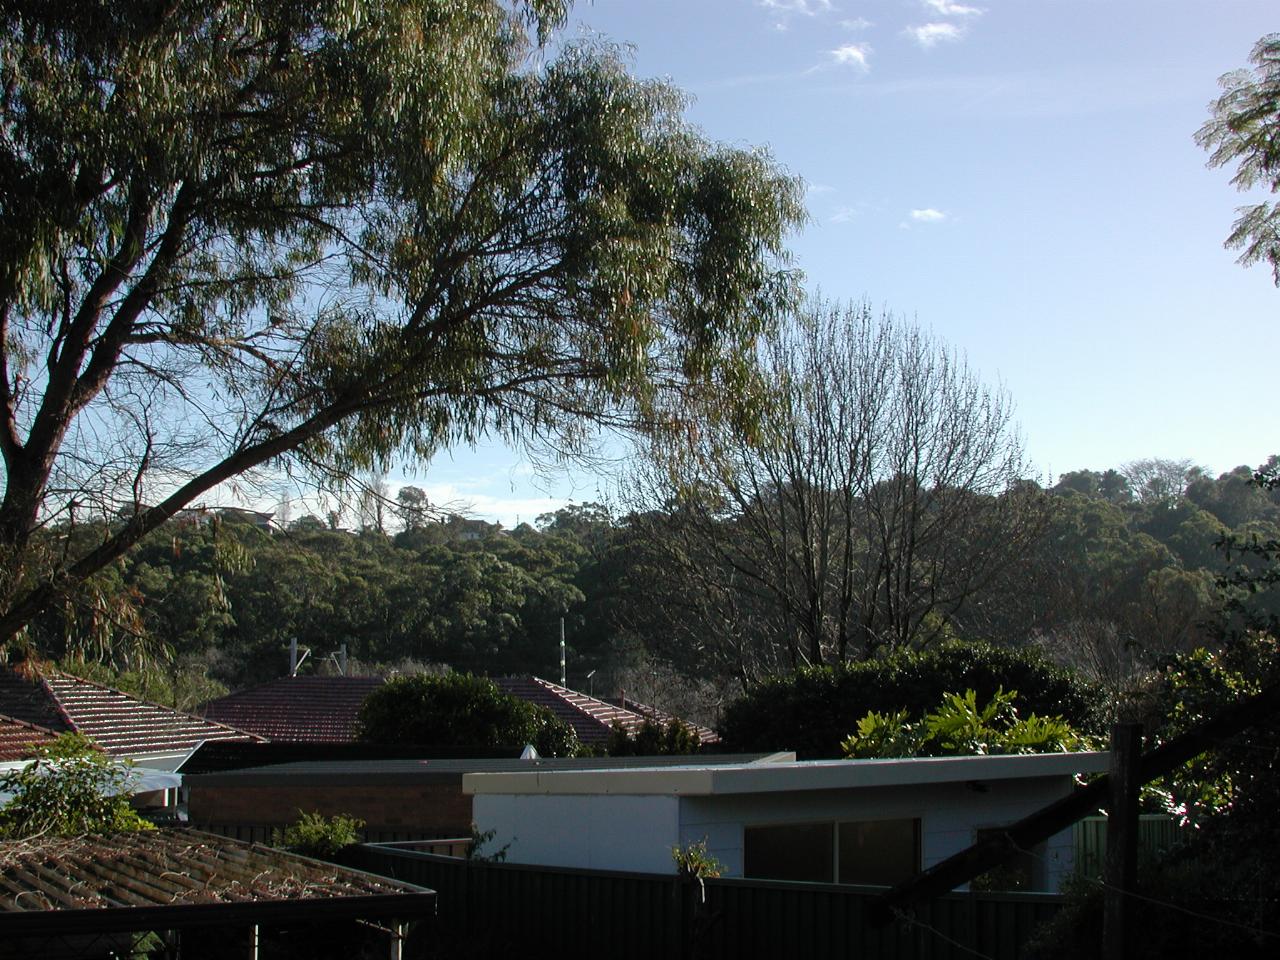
239	755
307	709
173	878
120	724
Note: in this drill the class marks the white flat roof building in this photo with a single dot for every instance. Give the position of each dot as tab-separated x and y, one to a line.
851	821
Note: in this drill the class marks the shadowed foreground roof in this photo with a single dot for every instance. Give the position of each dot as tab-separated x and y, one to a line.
120	724
173	878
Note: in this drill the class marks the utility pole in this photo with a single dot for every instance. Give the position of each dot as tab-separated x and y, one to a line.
1121	871
563	677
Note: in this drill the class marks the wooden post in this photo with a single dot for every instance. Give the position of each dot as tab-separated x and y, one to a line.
397	940
1121	873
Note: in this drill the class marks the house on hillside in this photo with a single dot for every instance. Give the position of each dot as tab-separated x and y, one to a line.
843	821
324	709
123	726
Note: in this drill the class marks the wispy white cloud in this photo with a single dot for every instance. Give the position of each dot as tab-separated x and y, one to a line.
808	8
927	215
857	24
813	189
929	35
949	8
843	215
855	55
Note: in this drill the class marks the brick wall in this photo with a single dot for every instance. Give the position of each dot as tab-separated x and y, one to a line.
436	809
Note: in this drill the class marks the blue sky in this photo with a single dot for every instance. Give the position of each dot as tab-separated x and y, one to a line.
1018	176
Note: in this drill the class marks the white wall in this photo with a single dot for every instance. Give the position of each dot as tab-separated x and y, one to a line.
601	832
949	814
625	832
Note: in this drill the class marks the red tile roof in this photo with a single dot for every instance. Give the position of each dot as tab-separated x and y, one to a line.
299	709
324	709
591	719
18	739
120	724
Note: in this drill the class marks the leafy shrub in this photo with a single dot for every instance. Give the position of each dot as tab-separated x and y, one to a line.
314	835
69	790
653	739
460	710
693	862
814	710
960	726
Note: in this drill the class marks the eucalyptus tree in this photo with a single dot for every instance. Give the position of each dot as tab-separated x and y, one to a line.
239	234
884	492
1244	130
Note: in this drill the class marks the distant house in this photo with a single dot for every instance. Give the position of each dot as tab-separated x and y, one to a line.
843	821
123	726
297	709
324	709
592	719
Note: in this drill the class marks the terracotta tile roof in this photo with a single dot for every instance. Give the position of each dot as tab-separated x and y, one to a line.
305	709
705	735
19	739
324	709
120	724
591	718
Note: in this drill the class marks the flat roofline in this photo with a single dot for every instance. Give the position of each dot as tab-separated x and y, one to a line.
697	780
422	772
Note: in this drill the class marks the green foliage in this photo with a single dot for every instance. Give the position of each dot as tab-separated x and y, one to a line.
653	739
514	241
814	710
314	835
1243	131
71	789
459	709
1235	778
693	862
961	726
479	840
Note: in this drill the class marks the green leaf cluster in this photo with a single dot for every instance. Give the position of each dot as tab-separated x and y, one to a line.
70	789
314	835
813	711
461	710
693	862
961	725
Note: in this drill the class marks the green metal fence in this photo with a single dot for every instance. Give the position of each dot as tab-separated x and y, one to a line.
1157	832
496	908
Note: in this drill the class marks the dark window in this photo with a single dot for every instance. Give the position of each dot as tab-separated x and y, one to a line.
883	852
790	851
1019	872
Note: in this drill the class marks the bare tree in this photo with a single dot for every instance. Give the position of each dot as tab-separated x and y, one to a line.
1156	480
883	495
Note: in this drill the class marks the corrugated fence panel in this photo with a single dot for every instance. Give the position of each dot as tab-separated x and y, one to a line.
643	916
1156	832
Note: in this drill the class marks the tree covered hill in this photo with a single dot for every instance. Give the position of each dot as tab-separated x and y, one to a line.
1124	572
